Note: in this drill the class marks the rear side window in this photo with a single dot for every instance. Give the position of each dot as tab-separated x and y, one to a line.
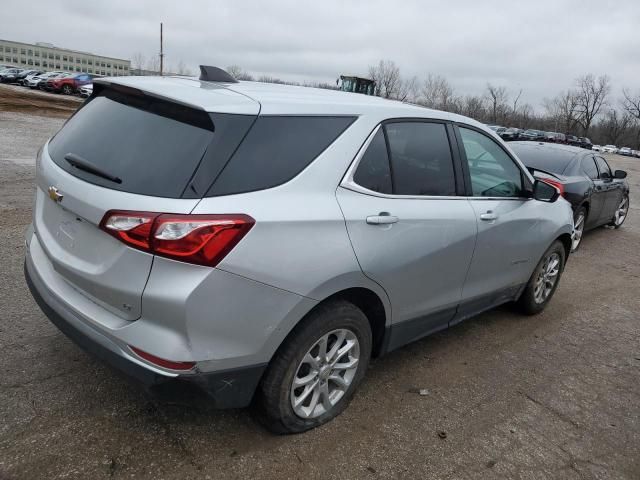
589	167
421	159
275	150
151	145
373	170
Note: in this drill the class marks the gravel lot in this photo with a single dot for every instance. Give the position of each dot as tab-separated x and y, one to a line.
554	396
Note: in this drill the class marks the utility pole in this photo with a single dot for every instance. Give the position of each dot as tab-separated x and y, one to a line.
161	51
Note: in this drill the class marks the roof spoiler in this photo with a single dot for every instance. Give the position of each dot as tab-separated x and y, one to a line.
215	74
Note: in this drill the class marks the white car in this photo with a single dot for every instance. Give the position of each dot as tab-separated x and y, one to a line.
609	149
86	90
626	151
596	148
35	81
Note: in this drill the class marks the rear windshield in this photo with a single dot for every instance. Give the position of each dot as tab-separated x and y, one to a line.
151	145
543	157
275	150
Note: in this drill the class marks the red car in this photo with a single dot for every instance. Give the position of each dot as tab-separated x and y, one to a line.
69	83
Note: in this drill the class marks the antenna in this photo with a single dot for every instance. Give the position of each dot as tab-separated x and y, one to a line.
161	51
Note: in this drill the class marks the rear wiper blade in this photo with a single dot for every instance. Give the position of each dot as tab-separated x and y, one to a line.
82	164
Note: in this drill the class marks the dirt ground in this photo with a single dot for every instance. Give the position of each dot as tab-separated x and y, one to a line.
553	396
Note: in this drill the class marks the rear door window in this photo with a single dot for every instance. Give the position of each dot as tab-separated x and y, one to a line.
153	146
421	160
276	149
603	166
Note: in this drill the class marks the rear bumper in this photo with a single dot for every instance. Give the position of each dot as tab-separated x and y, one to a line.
232	388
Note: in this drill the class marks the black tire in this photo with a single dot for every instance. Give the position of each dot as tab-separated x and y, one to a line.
67	90
273	397
576	215
613	223
527	302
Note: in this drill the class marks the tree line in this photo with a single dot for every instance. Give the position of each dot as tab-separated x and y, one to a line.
588	108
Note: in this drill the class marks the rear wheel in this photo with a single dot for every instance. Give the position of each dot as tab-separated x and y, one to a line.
579	219
313	376
67	90
621	212
544	280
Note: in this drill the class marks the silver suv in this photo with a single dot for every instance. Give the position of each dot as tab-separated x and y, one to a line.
265	241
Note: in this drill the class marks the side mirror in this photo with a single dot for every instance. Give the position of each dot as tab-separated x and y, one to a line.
544	192
605	176
620	174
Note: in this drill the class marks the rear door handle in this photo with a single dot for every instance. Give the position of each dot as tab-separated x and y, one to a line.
488	216
382	219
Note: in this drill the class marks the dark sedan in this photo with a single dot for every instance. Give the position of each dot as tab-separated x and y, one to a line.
598	195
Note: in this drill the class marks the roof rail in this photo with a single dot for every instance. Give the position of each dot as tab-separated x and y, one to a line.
214	74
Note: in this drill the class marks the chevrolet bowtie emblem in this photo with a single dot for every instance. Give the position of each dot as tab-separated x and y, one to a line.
55	195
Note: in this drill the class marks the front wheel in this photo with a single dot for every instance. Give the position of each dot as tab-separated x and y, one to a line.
315	372
621	212
67	90
544	280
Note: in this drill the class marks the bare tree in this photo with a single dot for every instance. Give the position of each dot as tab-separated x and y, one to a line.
138	61
238	73
388	80
631	103
153	64
438	93
515	102
563	111
497	97
591	94
182	69
615	125
474	107
270	79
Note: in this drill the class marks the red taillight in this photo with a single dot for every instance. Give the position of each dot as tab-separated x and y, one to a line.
555	183
161	362
200	239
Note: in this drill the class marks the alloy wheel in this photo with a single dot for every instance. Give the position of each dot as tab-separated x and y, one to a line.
578	230
547	278
325	373
621	212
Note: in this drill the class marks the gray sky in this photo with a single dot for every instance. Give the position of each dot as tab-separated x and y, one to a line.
539	46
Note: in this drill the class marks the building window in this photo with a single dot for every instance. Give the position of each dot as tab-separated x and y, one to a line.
37	53
23	51
77	69
51	56
37	63
23	61
30	53
64	58
58	66
44	63
30	62
77	60
57	57
15	50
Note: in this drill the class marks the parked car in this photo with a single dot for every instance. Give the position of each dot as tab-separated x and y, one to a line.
636	153
9	75
4	66
26	75
535	135
609	149
86	90
39	80
584	142
278	278
555	137
626	151
572	140
596	148
511	134
598	195
69	83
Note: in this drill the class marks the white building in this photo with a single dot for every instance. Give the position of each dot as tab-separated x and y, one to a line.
46	56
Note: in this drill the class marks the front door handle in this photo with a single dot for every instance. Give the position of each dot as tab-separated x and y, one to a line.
383	218
488	216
